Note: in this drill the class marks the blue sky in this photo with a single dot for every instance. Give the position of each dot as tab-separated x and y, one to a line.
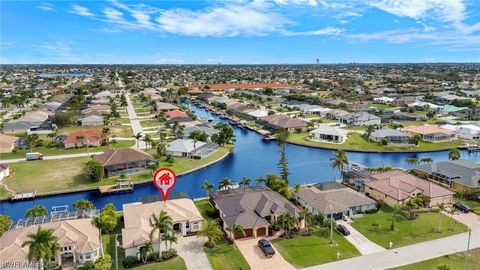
244	31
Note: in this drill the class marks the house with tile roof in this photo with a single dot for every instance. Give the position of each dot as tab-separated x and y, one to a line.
79	242
397	187
7	143
175	114
327	133
84	137
432	133
254	209
185	219
392	136
124	160
280	121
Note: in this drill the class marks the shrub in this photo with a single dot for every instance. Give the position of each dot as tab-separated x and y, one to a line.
153	256
384	142
169	254
212	213
372	211
129	261
88	265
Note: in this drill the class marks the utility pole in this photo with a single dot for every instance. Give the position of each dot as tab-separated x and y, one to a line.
468	248
331	223
116	251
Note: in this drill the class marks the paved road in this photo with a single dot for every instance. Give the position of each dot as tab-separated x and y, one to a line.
135	123
406	255
191	250
53	157
362	243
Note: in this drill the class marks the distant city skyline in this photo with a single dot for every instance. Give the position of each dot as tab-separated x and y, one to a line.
239	32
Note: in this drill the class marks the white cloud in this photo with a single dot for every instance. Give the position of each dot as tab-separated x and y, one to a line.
327	31
47	8
58	47
82	11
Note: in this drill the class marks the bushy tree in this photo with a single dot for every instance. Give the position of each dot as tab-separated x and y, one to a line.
82	204
5	223
276	183
95	170
36	211
103	263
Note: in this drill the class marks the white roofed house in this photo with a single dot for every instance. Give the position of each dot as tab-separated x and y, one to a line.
392	136
185	219
469	132
326	133
383	100
188	148
78	239
361	119
257	113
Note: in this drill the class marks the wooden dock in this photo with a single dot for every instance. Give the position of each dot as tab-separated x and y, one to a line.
24	195
119	187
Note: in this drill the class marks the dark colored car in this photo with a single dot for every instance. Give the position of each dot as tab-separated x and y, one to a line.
462	207
342	229
266	247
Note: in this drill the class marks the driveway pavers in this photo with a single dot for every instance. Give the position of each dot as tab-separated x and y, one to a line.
257	260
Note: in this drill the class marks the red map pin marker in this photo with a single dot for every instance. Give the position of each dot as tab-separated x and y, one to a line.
164	180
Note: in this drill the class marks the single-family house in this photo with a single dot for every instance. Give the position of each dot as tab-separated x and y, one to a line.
185	147
165	107
392	136
432	133
280	121
457	174
137	216
468	131
397	187
91	120
201	128
78	239
175	114
84	137
336	114
257	114
124	160
4	171
361	119
406	116
254	209
327	133
336	203
7	143
383	100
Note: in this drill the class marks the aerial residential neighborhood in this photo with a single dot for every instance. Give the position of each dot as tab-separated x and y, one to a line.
238	135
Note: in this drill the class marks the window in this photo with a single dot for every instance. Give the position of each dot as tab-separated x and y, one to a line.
81	257
94	254
87	256
187	225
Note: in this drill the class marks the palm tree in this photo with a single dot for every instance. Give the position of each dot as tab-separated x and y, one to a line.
411	161
161	224
137	137
41	245
208	187
148	139
235	229
369	131
32	140
296	188
212	231
171	238
339	160
224	183
161	149
98	223
144	251
452	211
454	154
245	182
288	222
106	132
397	209
441	207
260	180
426	160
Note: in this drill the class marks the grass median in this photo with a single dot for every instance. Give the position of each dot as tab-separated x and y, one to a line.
453	261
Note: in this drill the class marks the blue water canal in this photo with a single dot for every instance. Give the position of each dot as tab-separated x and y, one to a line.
252	158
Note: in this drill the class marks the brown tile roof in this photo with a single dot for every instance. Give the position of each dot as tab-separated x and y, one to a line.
175	114
91	135
7	141
427	129
283	121
122	155
399	185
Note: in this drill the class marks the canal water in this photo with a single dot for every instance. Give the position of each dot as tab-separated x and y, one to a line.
252	158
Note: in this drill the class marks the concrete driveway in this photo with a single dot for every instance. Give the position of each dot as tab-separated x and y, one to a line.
362	243
257	260
472	220
190	248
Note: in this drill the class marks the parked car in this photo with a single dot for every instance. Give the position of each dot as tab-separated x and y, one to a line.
34	156
266	247
342	229
462	207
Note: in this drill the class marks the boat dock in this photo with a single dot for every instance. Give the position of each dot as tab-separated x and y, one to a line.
24	195
121	186
472	147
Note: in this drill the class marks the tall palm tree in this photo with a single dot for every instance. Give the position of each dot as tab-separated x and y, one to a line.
339	160
426	160
106	133
148	139
98	223
288	222
454	154
411	161
161	149
369	131
208	187
260	180
171	238
137	137
160	224
441	208
235	229
41	245
224	183
397	209
245	182
212	231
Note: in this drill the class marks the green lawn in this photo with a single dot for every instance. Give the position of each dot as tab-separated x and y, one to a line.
223	255
406	232
150	123
117	130
176	263
357	142
305	251
4	193
454	261
382	106
60	151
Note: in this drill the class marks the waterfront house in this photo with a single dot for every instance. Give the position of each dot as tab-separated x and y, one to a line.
397	187
78	239
254	209
124	160
257	114
432	133
392	136
457	174
336	114
185	216
383	100
327	133
165	107
91	120
406	116
7	143
202	128
469	132
336	203
185	147
175	114
280	121
84	137
360	119
4	171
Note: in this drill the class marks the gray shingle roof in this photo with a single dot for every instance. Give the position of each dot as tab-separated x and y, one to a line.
461	171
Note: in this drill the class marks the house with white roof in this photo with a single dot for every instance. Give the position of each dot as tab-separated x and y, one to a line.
184	148
258	113
469	132
383	100
326	133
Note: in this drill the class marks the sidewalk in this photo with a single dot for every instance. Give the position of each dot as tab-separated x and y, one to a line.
362	243
135	123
